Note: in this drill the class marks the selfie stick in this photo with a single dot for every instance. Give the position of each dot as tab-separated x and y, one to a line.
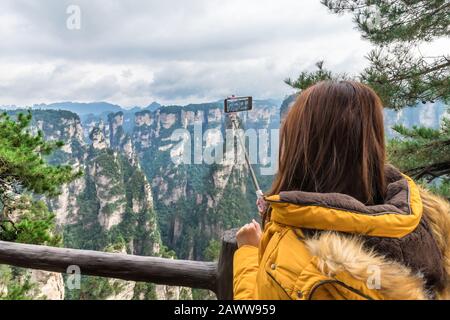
259	193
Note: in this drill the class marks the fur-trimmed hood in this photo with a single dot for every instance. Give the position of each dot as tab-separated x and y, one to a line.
407	238
399	215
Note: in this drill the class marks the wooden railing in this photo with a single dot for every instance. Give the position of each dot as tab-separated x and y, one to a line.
214	276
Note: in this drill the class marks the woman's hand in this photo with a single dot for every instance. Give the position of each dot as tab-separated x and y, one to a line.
250	234
261	204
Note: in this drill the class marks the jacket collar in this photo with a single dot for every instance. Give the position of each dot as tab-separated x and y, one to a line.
398	216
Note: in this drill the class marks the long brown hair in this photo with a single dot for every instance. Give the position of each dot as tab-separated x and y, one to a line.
332	140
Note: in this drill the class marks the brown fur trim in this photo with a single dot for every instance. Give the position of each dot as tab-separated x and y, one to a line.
340	253
437	212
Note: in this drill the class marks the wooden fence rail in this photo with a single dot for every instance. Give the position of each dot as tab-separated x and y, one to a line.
215	276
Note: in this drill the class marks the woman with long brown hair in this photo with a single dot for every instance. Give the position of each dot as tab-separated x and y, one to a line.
341	223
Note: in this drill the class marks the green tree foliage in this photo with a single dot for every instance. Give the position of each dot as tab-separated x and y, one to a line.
12	288
25	175
212	251
425	154
307	79
34	225
23	170
402	75
398	70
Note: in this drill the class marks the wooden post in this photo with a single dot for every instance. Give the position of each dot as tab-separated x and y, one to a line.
224	287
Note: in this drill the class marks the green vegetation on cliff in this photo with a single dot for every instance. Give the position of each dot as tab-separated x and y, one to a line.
120	196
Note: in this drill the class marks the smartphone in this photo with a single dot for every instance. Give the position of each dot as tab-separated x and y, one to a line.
238	104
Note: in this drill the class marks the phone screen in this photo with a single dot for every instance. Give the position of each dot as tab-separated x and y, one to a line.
238	104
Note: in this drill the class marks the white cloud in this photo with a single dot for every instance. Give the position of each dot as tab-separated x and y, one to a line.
133	52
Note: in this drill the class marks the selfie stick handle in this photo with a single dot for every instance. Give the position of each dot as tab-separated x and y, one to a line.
259	192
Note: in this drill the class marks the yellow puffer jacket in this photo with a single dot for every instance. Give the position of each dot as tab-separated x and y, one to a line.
331	246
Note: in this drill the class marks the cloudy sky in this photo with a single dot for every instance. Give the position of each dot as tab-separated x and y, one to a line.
134	52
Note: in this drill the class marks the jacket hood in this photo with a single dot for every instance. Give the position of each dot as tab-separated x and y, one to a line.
398	216
336	254
408	235
426	279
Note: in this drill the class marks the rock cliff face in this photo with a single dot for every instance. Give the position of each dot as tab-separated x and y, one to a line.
30	284
198	200
195	201
49	285
138	193
110	206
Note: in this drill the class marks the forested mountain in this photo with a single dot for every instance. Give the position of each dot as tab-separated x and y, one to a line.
194	202
80	108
